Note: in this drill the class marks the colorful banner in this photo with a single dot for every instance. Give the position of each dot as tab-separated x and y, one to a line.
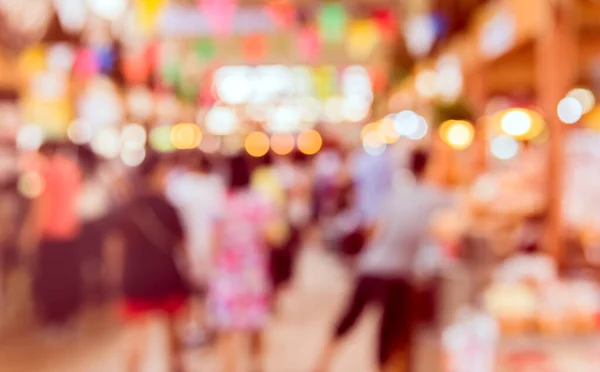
332	22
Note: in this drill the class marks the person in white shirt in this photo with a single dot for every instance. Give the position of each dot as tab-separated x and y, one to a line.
385	267
199	198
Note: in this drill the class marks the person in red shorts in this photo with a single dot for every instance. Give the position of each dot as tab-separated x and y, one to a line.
151	234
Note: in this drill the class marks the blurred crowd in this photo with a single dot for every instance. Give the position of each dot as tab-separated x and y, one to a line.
211	241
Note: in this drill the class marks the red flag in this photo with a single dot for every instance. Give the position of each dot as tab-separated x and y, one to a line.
283	13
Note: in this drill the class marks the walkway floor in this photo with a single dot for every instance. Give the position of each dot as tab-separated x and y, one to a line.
293	341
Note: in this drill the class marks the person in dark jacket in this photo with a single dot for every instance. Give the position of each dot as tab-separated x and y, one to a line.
151	234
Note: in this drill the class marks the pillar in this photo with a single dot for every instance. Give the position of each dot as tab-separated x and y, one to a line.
556	61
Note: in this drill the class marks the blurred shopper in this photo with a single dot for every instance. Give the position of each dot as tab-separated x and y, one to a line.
10	205
385	268
273	180
50	236
94	204
239	294
147	263
372	176
199	197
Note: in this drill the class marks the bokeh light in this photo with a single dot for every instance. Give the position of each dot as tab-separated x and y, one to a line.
221	120
421	131
355	109
425	84
284	118
133	135
234	89
309	142
388	130
30	137
420	34
79	132
30	185
406	122
186	136
282	143
585	97
108	9
449	78
133	157
210	144
60	57
504	147
257	144
516	122
160	139
107	142
458	134
374	143
333	110
569	110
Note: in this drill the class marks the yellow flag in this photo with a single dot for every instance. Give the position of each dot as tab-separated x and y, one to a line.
147	13
362	38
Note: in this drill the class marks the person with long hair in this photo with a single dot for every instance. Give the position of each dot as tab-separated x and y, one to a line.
239	292
146	263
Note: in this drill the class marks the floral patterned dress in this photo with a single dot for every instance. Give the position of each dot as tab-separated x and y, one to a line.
239	294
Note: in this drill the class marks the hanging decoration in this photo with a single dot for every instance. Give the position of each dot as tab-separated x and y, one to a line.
283	13
147	13
72	14
363	36
309	45
387	23
204	49
105	58
420	34
254	48
219	13
86	65
135	68
332	22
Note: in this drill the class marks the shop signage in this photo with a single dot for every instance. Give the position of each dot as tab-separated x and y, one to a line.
188	21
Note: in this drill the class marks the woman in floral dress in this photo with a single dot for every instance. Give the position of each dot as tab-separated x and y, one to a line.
239	295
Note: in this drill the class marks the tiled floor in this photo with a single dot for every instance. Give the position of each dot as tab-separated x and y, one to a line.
294	337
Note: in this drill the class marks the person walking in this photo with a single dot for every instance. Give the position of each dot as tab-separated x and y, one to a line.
385	268
50	236
239	292
146	263
199	197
